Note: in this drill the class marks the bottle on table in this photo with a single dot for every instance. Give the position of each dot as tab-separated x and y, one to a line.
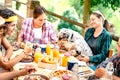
75	72
37	55
48	49
110	69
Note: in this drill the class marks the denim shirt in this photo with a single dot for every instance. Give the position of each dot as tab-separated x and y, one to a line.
102	46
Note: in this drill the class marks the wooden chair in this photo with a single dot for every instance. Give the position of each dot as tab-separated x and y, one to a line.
110	53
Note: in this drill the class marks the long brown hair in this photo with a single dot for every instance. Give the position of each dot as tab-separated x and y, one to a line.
99	14
39	10
4	27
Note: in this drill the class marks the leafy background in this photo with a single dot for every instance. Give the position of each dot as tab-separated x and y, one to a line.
69	8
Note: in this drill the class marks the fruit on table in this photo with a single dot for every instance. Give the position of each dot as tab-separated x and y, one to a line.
48	59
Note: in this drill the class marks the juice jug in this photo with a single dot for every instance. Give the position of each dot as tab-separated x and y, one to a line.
37	55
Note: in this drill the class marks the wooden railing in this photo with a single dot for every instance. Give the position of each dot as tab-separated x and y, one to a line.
28	14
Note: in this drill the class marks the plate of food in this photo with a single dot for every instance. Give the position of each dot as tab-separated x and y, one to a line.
60	73
36	77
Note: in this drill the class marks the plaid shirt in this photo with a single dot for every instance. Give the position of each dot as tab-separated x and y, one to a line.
27	34
103	44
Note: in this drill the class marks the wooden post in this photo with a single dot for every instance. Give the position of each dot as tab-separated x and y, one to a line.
30	7
8	3
86	15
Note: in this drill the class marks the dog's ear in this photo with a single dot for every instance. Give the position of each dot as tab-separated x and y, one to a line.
71	35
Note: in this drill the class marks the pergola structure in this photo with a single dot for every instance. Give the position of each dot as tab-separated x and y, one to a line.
32	3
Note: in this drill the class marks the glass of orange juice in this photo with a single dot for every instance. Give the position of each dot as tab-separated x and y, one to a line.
37	55
48	49
65	59
56	53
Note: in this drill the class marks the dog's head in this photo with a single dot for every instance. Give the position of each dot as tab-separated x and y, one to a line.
64	38
65	34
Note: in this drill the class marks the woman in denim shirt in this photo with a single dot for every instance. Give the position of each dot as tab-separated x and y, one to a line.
98	38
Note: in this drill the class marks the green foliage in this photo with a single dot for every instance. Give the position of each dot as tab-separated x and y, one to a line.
71	14
18	4
114	4
79	8
49	17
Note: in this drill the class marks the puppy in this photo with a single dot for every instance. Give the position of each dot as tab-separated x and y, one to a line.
75	41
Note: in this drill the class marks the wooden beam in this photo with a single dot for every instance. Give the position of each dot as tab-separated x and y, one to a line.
66	19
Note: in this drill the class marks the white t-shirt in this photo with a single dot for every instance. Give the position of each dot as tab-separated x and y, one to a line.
37	34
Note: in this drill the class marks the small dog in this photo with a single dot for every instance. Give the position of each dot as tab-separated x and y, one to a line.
69	40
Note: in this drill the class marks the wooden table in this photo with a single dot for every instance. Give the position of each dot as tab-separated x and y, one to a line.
42	71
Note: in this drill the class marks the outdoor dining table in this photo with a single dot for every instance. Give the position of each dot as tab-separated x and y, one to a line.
43	71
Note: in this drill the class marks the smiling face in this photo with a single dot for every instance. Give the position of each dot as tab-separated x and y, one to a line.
40	20
11	27
95	21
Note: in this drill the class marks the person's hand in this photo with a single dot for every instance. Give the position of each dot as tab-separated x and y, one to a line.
16	44
5	59
27	70
101	72
28	49
83	58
